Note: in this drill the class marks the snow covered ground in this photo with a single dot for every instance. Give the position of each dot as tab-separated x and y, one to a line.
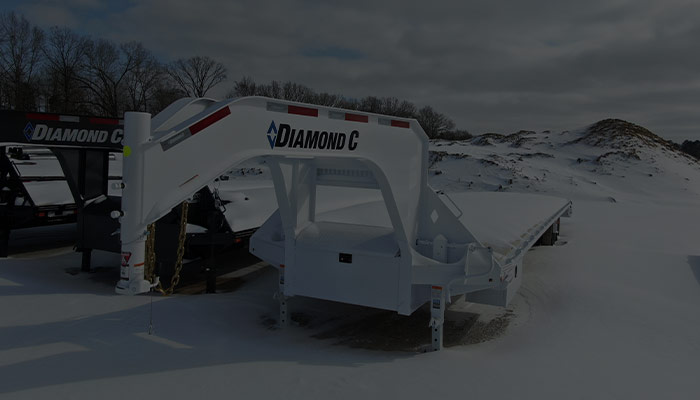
611	311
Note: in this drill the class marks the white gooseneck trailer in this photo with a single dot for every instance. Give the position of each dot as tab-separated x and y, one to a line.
424	252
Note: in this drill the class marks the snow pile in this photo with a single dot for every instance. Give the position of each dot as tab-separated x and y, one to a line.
611	159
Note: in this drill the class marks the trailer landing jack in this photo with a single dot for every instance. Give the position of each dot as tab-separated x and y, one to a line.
437	317
284	312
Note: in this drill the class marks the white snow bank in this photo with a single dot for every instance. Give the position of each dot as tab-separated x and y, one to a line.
612	313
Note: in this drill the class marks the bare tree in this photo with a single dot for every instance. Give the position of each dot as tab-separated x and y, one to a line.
296	92
349	103
245	87
406	109
329	100
20	52
371	104
196	75
164	95
106	68
144	80
65	56
388	105
396	107
273	89
433	122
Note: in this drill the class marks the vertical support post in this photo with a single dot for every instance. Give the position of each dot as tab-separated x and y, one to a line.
284	312
137	130
214	223
211	280
8	199
85	265
4	238
211	268
437	316
282	174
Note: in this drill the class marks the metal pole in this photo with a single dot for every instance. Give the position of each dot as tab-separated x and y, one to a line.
137	130
85	265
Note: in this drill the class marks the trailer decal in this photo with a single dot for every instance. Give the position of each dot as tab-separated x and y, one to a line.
272	134
286	136
125	258
28	131
42	133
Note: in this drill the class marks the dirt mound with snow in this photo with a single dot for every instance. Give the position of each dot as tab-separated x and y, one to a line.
517	139
611	158
616	134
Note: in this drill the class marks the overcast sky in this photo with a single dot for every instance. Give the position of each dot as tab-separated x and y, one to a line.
492	66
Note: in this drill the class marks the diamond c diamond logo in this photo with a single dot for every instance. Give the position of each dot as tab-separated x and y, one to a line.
272	134
29	131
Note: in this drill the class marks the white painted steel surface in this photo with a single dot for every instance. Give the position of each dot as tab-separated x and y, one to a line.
389	254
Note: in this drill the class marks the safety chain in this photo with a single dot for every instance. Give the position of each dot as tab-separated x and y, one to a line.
151	253
150	267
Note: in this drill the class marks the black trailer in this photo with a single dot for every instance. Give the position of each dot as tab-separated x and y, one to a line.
82	145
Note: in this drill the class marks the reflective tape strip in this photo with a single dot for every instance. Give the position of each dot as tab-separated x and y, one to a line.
69	118
309	112
336	115
276	107
348	117
400	124
356	117
206	122
195	128
74	119
43	117
104	121
167	144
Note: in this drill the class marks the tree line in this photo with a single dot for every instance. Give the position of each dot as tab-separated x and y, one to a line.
58	70
435	124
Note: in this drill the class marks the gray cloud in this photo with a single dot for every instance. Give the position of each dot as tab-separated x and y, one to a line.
492	66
